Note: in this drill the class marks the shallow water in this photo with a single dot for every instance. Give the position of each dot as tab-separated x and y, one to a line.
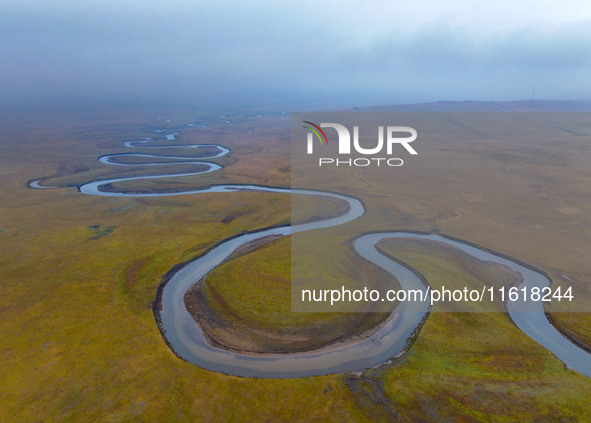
188	341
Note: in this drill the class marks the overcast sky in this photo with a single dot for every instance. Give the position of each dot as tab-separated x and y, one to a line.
371	52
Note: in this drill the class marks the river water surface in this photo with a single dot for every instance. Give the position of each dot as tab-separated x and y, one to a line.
186	337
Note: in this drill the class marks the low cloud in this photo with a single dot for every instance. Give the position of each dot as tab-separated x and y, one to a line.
213	51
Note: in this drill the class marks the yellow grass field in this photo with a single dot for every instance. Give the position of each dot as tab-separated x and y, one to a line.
78	337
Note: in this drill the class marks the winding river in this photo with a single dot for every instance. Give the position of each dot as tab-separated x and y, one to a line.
187	340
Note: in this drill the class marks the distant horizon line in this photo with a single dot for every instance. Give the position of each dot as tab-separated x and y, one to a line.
275	105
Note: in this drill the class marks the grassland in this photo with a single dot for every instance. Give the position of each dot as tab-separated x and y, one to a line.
262	279
79	274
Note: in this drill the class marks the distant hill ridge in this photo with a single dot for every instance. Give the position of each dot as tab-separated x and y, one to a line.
487	106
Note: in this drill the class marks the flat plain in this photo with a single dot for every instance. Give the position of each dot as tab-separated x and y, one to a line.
79	273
